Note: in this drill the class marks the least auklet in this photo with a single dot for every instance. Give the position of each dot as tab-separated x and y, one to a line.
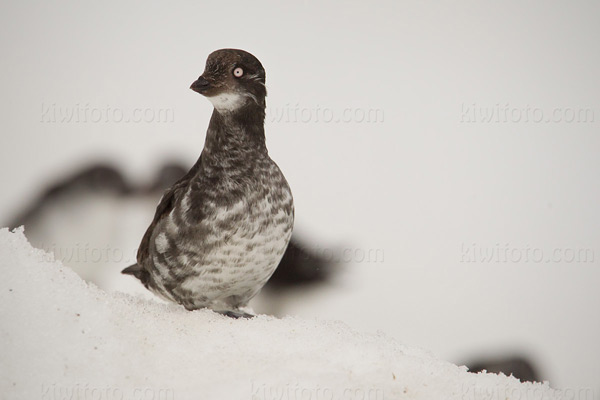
220	231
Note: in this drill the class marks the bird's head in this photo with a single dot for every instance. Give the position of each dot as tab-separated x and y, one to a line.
231	80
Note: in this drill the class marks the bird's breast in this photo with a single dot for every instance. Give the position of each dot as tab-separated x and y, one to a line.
251	229
224	237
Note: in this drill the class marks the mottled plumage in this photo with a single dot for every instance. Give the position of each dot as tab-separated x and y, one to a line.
220	231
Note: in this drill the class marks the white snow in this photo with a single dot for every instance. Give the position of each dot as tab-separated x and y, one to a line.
64	339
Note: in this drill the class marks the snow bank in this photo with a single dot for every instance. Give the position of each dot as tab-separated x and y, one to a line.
64	339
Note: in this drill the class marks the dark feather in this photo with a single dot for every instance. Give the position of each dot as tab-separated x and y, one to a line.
164	208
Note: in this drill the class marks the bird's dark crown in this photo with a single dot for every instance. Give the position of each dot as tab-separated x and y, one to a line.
232	79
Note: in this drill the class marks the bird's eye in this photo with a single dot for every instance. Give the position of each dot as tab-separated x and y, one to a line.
238	72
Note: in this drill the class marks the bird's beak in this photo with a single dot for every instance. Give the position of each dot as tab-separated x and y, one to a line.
201	85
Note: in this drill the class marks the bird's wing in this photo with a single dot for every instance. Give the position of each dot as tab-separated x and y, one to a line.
164	207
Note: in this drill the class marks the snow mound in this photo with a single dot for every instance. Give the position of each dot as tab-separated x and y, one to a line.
64	339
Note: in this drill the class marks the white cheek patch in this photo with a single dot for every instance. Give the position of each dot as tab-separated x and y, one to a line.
227	102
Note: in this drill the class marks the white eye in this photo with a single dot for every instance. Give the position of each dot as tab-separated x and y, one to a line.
238	72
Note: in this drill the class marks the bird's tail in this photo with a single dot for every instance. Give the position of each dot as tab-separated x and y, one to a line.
140	273
134	270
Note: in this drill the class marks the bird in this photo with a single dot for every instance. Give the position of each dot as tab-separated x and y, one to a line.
220	231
